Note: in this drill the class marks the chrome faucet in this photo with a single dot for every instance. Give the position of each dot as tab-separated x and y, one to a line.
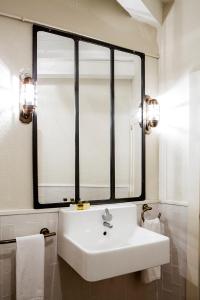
107	217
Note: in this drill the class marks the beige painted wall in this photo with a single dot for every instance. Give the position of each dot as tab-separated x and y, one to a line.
15	137
16	53
104	20
179	134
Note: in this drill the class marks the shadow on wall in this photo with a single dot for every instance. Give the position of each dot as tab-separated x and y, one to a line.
126	287
166	9
8	278
173	283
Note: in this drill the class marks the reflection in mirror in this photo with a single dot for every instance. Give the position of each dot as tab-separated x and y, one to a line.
55	117
94	128
86	120
128	133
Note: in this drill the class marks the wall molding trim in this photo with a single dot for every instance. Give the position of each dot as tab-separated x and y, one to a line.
177	203
8	212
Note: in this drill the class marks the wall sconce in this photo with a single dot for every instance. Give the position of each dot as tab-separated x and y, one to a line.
152	113
27	98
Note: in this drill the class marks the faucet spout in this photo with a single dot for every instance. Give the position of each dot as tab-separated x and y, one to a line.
107	224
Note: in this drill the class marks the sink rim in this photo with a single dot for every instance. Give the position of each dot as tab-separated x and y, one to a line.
72	208
161	238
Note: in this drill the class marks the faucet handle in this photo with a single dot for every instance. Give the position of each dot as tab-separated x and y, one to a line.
107	216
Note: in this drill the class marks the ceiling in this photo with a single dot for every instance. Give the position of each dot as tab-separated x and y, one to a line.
147	11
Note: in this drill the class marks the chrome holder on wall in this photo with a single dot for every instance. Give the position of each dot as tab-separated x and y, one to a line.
44	231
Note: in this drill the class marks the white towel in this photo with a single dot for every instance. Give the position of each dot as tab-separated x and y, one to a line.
154	273
30	267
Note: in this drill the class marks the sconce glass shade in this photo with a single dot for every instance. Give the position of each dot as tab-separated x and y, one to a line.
152	113
27	98
139	115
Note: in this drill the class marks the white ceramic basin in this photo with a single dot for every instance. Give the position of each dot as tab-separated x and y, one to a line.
125	248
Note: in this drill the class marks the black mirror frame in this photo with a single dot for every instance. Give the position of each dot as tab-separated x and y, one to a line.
77	38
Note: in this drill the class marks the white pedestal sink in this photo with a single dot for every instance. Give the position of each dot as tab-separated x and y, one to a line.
97	252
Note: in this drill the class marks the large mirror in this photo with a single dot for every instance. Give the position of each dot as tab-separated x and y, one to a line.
88	140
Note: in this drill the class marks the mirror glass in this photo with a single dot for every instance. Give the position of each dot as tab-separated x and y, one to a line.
94	121
128	132
55	117
89	136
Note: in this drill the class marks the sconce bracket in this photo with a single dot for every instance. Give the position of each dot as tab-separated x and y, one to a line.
25	117
147	128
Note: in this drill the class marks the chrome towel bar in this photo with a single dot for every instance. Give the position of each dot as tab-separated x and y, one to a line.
44	231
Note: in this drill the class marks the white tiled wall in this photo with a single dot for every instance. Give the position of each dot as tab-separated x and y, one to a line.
61	282
173	284
26	224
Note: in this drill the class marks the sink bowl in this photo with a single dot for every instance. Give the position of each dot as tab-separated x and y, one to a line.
97	252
